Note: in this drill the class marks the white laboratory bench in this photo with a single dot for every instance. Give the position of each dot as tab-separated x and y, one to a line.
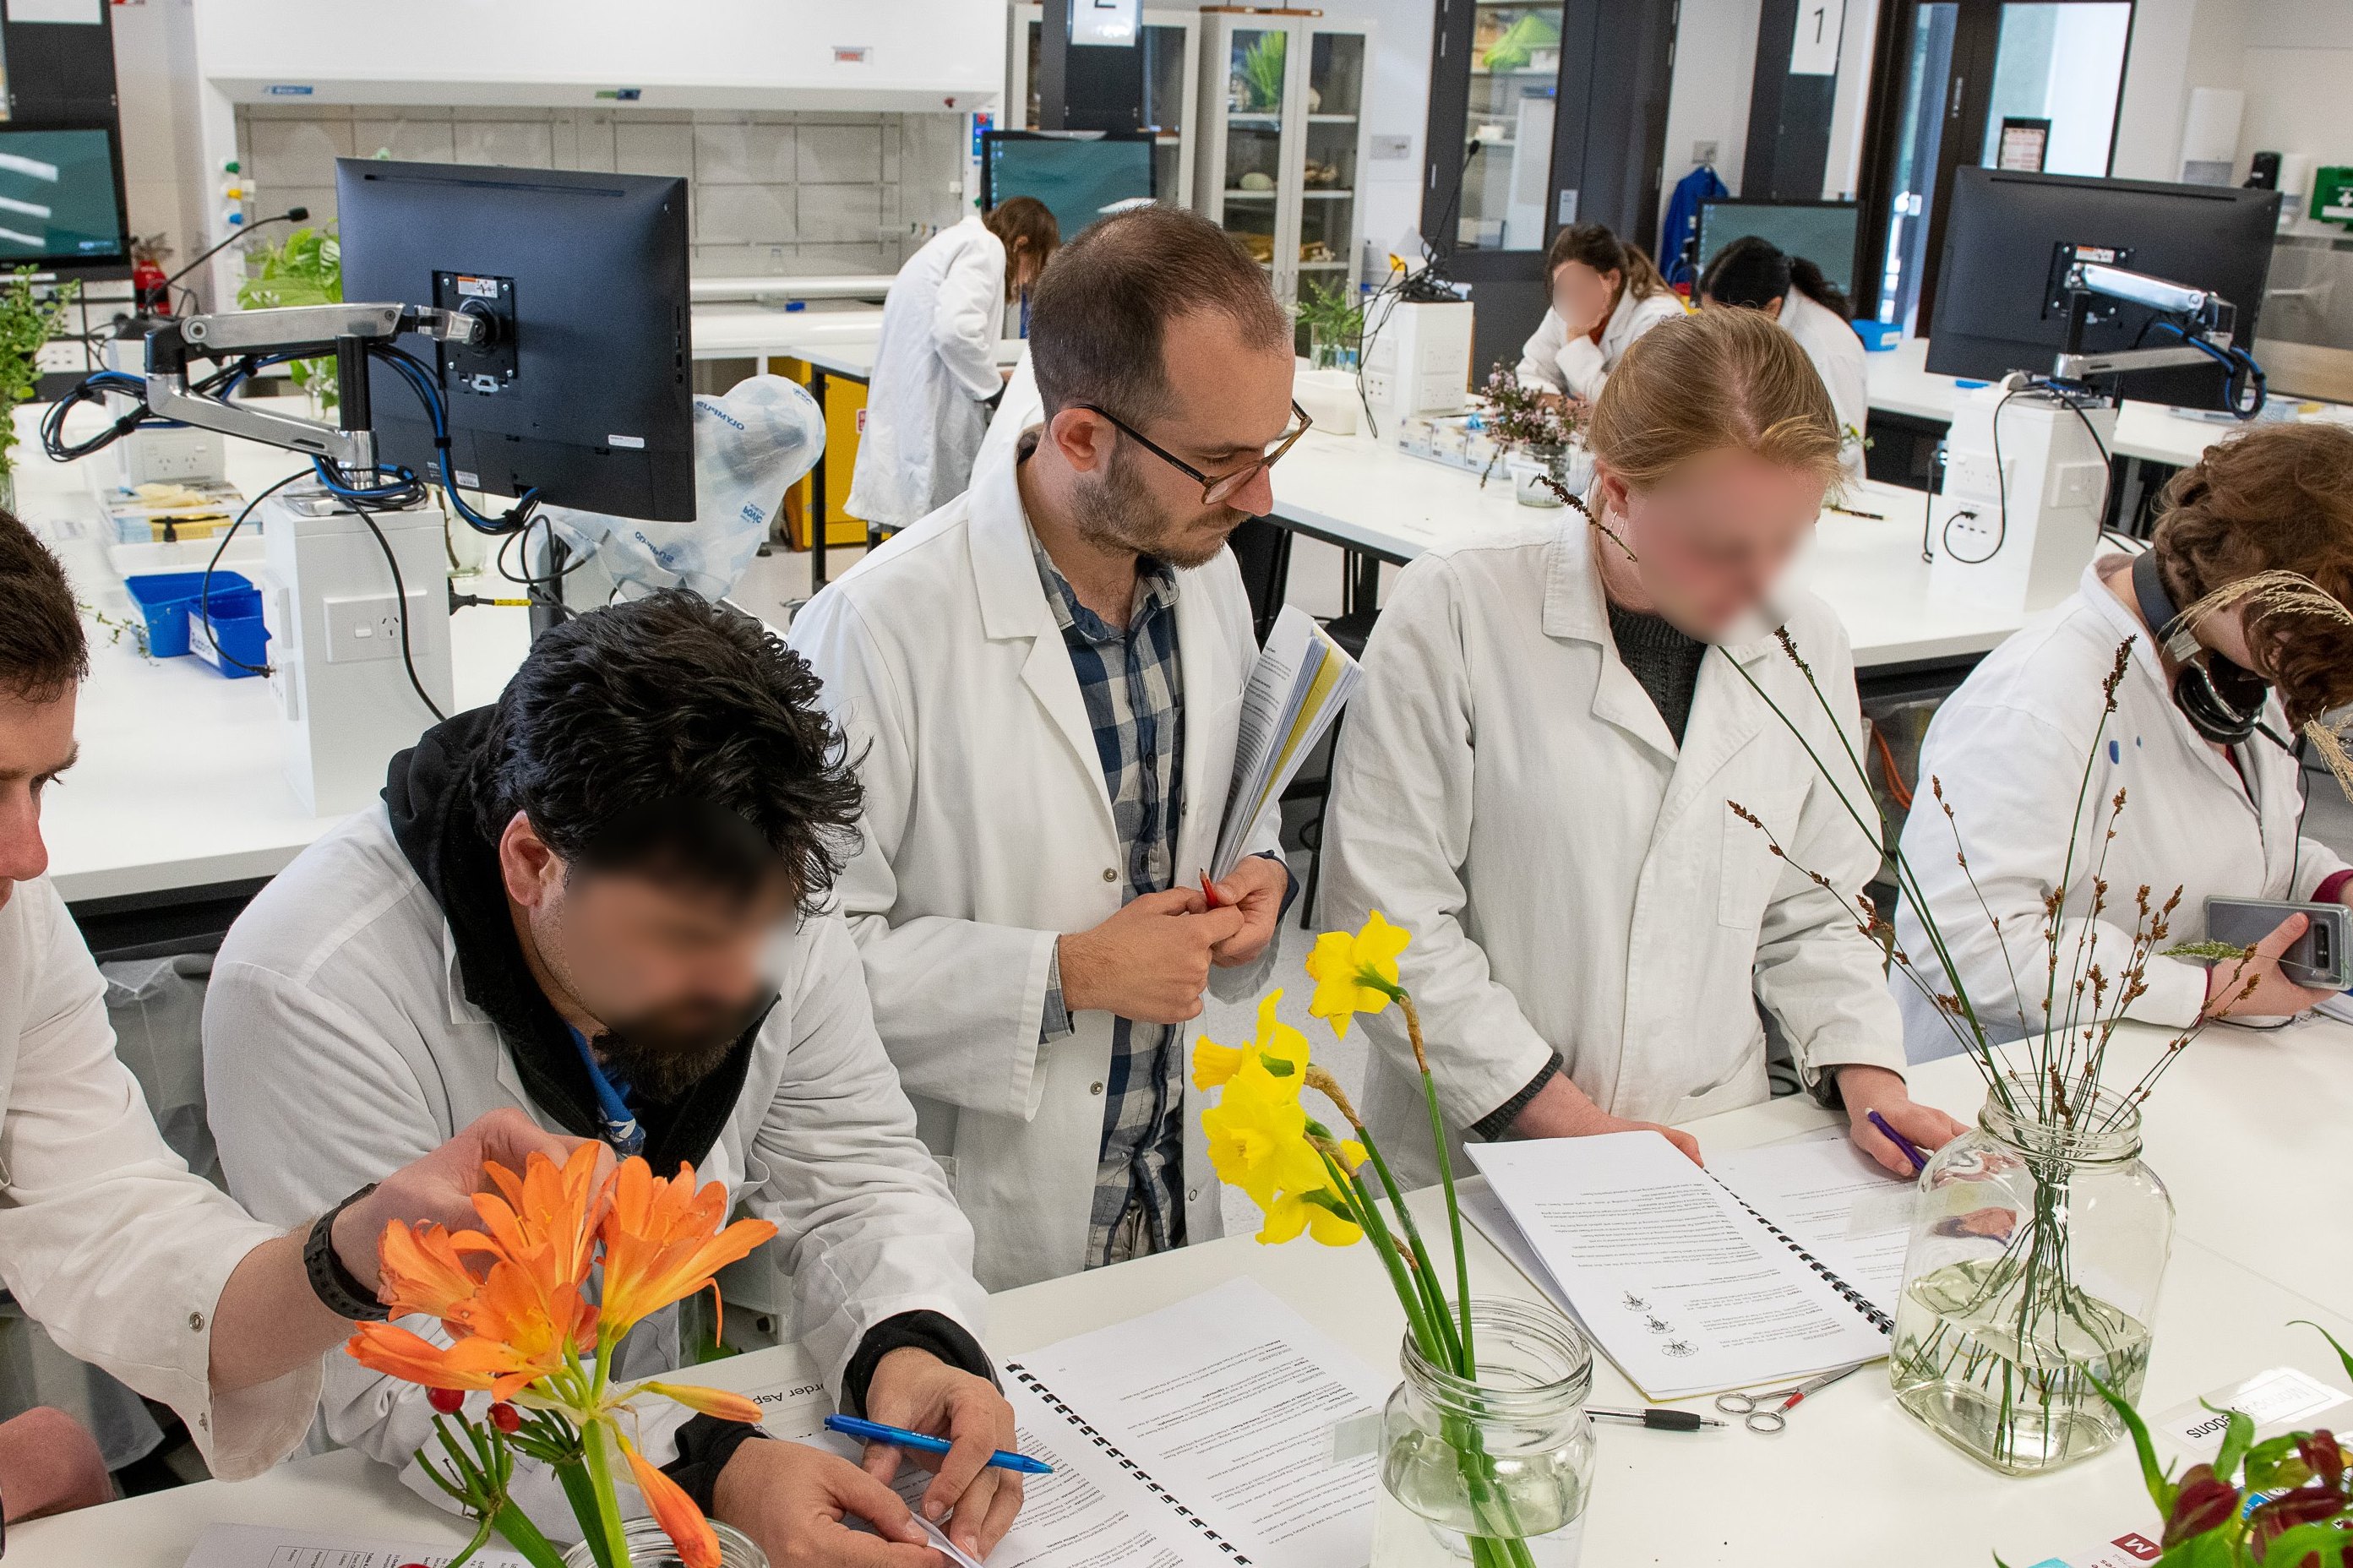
1853	1483
1377	502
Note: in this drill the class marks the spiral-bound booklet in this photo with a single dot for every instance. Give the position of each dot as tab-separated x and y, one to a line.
1771	1265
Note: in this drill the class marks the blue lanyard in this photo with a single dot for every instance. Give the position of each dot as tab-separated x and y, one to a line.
621	1129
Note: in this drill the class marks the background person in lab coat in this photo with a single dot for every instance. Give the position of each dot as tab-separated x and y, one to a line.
598	902
1537	778
1605	294
1043	681
1753	272
935	364
2212	819
129	1261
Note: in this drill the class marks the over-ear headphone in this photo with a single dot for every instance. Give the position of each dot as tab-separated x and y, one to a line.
2222	700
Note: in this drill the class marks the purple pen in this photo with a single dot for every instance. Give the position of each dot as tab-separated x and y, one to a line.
1911	1153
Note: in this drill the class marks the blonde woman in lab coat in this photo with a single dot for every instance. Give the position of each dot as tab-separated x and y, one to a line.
1755	274
1539	778
2212	816
1605	294
935	366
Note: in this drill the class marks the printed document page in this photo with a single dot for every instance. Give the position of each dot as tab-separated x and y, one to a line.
1242	1412
1835	1202
1296	689
264	1546
1686	1292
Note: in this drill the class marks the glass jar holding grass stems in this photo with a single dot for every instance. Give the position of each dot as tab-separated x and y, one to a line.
1498	1466
650	1547
2036	1251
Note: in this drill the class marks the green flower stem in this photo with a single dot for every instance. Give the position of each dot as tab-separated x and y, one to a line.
1470	1363
522	1535
1427	1276
606	1535
1430	1330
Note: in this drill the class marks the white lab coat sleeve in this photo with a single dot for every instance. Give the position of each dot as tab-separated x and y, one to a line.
1540	355
1815	971
106	1237
960	1002
1583	367
2315	863
1399	834
966	316
865	1218
2013	773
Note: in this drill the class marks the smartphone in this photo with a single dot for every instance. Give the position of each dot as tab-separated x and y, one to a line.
2321	958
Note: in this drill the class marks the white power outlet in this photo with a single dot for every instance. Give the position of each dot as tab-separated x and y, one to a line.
1974	474
2077	484
366	629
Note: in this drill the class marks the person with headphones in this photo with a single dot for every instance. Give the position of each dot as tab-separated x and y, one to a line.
2201	745
1604	293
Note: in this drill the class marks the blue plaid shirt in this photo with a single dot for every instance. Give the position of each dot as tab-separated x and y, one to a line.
1134	700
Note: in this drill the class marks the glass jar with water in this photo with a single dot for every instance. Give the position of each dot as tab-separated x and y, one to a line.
2037	1246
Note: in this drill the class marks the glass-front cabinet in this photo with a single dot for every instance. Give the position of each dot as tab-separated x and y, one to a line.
1171	61
1514	86
1282	143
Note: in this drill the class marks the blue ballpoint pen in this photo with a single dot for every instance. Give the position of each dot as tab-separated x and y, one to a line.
1911	1153
899	1438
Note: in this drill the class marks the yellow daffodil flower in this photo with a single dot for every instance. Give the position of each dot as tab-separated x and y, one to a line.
1282	1049
1355	973
1293	1213
1257	1135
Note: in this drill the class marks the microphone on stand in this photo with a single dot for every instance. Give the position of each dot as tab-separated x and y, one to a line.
291	215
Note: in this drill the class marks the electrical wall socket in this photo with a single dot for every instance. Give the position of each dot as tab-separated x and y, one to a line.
1702	152
1974	474
359	629
2077	484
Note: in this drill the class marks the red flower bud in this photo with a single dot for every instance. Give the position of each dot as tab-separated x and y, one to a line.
2204	1504
505	1416
2325	1458
447	1400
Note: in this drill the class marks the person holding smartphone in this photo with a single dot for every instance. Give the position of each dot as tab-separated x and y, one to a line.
2203	744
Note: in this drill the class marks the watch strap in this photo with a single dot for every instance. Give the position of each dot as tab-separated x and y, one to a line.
337	1288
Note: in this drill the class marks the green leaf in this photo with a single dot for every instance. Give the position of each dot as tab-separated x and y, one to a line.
2160	1489
2342	1353
2324	1541
2238	1435
2274	1464
526	1538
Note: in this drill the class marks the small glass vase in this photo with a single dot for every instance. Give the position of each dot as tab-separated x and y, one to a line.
648	1547
1530	466
2037	1248
1498	1467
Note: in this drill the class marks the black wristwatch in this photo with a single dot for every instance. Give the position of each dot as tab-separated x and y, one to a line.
339	1288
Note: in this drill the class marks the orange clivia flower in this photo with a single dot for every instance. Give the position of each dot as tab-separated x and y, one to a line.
544	1222
513	1336
421	1271
715	1401
659	1242
698	1545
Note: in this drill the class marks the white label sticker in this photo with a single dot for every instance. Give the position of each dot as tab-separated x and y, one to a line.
471	481
2280	1399
1814	49
631	441
479	288
853	54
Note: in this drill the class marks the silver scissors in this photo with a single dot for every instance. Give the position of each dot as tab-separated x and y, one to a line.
1768	1411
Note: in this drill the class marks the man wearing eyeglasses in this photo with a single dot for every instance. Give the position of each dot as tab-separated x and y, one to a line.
1043	681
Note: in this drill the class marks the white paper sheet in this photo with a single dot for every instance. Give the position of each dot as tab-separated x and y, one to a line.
1686	1292
1834	1202
264	1546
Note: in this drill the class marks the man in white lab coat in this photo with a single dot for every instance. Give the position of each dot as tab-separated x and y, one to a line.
1043	681
1549	773
107	1239
597	902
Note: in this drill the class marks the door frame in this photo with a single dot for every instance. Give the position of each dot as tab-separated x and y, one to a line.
1976	41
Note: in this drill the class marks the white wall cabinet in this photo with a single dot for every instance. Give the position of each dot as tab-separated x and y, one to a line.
1281	141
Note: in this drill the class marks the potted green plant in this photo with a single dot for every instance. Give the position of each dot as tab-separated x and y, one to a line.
1532	434
306	268
1335	324
27	320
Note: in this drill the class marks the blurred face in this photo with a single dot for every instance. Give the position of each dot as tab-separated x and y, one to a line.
37	744
1229	403
1582	296
1709	539
667	974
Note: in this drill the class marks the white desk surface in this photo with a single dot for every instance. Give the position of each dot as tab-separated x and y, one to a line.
2245	1118
1372	497
179	782
1899	383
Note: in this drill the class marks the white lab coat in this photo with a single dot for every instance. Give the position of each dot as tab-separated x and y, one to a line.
1577	366
1021	406
1576	882
339	1043
988	832
1829	341
2009	747
106	1240
934	366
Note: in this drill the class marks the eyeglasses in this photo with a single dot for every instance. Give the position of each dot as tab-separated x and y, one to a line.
1214	488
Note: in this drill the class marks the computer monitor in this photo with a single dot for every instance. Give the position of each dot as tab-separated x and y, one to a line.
2000	305
1821	232
584	391
61	207
1079	175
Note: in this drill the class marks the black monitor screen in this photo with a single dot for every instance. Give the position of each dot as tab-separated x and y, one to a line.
1821	232
584	390
1080	178
60	200
1997	308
